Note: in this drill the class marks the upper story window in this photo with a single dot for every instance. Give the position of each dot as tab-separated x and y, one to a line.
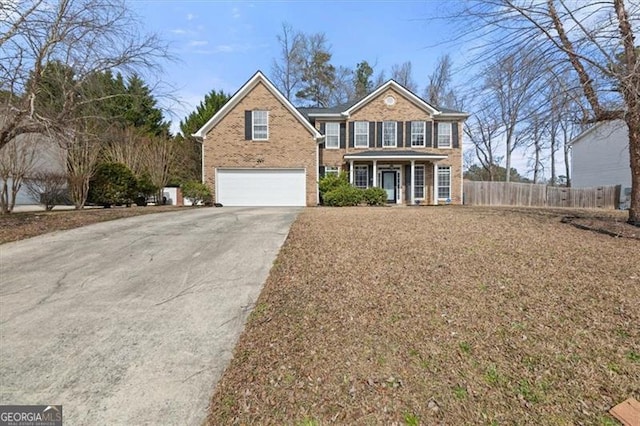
361	131
389	134
418	133
260	120
444	135
332	133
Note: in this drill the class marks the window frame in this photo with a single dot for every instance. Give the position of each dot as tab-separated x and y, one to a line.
336	135
356	134
450	135
423	134
355	175
254	125
331	170
417	184
448	186
395	134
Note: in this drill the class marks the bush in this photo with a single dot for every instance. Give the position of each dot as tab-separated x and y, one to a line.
196	191
374	196
331	182
343	196
113	183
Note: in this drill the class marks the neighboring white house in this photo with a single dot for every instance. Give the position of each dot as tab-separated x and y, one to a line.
600	156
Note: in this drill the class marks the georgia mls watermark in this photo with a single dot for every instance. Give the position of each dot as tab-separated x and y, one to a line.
30	415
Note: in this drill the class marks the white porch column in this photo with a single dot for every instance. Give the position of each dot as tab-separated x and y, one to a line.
435	184
412	195
375	173
351	172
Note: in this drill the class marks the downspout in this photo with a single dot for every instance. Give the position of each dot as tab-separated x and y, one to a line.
318	142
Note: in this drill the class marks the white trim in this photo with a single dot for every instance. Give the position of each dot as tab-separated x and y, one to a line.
424	175
326	134
450	145
396	157
253	125
257	78
351	172
412	194
395	134
435	184
450	181
424	134
375	173
355	139
401	90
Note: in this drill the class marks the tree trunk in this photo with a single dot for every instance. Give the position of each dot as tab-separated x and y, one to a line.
633	123
508	162
553	160
567	164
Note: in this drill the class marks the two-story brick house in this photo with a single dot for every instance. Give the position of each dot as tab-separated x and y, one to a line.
261	150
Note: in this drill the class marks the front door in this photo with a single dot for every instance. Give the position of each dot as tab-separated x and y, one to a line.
389	185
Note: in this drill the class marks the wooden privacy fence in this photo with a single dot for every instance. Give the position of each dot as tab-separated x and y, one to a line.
536	195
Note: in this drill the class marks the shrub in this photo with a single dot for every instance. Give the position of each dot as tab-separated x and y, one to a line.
332	181
49	188
113	183
196	192
343	196
375	196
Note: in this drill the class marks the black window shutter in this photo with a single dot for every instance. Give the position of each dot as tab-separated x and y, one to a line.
247	125
407	182
343	131
429	135
372	134
400	134
435	135
407	132
322	128
379	134
351	134
321	171
370	175
454	135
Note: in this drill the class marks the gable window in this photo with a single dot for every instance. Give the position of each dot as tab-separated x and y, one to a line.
389	134
361	176
444	135
361	131
260	120
417	133
332	133
419	183
331	170
444	182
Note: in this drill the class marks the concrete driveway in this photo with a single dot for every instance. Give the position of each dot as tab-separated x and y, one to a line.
132	321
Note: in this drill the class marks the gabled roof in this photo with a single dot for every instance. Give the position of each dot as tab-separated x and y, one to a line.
257	78
392	84
343	111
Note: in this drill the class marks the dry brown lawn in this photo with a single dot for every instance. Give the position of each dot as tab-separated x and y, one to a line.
18	226
448	315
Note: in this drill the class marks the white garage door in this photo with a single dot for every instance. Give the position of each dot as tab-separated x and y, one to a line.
266	187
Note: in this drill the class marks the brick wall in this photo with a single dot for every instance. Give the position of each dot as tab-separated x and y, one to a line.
290	144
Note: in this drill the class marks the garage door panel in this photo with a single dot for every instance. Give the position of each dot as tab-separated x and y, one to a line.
266	187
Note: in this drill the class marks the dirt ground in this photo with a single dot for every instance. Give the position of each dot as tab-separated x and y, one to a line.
440	315
18	226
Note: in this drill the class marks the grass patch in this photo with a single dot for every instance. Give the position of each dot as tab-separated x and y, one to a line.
475	310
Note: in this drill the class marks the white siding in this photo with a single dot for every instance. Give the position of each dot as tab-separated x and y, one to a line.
601	157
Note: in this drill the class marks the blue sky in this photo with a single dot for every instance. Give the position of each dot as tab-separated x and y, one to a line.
219	45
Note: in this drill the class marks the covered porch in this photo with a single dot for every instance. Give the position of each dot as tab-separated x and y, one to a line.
408	177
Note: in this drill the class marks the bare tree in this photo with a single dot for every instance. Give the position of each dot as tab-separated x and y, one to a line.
81	146
510	83
343	89
594	41
16	161
438	91
86	36
48	187
159	155
403	74
286	71
126	148
537	131
482	130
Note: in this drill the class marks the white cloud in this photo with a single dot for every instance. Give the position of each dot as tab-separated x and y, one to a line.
190	16
198	43
235	12
178	31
